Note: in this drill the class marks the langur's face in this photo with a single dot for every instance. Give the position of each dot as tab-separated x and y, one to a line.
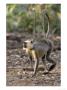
27	44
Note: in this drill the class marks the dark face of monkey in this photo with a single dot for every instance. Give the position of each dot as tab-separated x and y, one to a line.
27	44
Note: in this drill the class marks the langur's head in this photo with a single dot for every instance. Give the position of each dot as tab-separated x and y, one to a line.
27	44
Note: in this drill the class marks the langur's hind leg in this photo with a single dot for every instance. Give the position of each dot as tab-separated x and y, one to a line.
44	63
50	61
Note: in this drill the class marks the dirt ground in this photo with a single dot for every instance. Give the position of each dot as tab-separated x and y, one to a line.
19	70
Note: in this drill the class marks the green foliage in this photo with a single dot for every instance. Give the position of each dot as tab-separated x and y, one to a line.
21	17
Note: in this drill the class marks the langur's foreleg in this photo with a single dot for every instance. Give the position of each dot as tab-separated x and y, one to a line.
31	61
36	66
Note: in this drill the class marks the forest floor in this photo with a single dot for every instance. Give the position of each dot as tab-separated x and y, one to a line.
19	70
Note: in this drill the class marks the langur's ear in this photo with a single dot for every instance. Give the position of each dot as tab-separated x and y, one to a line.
31	41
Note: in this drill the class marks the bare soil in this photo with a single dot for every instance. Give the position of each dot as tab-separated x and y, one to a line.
19	70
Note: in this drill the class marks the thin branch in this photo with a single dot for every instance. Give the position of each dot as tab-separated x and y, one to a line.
34	24
48	25
43	24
